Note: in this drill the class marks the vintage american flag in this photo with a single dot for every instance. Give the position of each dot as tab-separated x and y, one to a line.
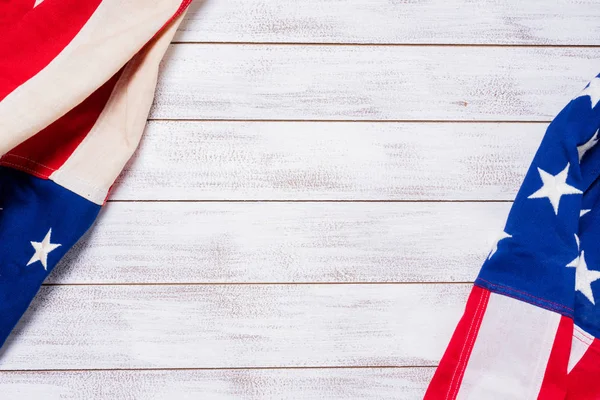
77	78
530	325
76	83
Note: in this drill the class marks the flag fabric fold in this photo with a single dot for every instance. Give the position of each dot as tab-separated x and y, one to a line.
77	79
530	326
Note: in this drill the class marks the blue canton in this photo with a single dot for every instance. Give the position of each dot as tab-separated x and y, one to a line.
39	222
549	252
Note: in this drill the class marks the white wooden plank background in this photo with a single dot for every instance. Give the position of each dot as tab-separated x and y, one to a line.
300	242
298	82
329	161
225	326
566	22
318	183
251	384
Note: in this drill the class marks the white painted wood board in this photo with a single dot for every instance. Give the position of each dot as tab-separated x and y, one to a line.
382	21
271	278
228	384
226	326
300	82
193	160
284	242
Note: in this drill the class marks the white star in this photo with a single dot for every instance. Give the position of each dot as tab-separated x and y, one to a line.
575	262
42	249
501	236
583	212
554	187
587	145
584	278
592	90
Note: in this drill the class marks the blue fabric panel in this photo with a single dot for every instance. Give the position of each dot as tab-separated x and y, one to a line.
532	264
31	207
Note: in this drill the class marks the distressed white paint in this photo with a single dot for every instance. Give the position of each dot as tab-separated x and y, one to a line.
224	326
329	161
300	82
314	325
385	21
250	384
284	242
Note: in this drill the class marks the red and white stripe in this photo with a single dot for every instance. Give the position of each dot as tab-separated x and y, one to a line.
505	348
584	367
77	84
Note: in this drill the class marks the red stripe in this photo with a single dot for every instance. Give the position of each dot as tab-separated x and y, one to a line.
12	11
36	39
48	150
182	7
448	376
554	384
584	380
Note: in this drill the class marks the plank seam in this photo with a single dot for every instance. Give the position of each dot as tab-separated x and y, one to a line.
370	121
219	368
255	283
302	201
373	44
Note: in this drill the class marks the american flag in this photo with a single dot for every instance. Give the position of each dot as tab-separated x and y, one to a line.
530	325
77	79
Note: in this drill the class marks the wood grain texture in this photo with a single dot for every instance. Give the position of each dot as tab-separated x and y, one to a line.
309	384
329	161
384	21
223	326
299	82
284	242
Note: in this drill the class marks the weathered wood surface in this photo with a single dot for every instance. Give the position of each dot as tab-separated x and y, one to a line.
225	326
248	384
283	82
264	300
329	161
284	242
384	21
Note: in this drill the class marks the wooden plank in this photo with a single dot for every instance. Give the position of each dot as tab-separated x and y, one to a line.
299	82
284	242
329	161
382	21
224	326
330	383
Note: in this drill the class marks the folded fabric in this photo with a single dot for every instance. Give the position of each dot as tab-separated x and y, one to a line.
77	78
530	325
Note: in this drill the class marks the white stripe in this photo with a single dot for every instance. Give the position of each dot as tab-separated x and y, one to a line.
580	345
509	358
37	3
93	167
111	37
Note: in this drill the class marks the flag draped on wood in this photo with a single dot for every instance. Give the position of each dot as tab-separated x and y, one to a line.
77	78
530	325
